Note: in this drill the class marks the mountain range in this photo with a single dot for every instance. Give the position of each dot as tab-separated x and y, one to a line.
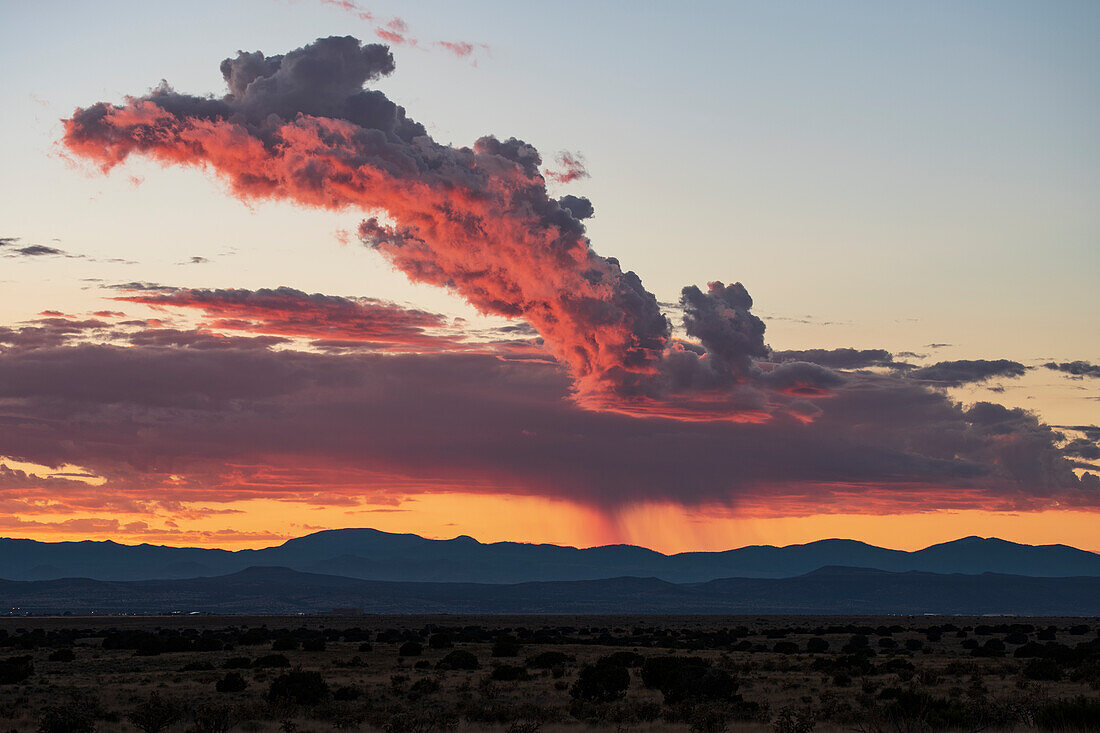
829	590
369	554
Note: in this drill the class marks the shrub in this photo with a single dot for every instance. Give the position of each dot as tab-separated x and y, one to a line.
284	644
1039	668
789	720
298	687
657	670
600	683
623	659
1076	713
508	673
458	659
238	663
62	655
212	718
423	686
817	645
346	694
272	660
313	645
549	660
154	714
785	647
708	719
440	640
914	645
410	649
203	666
74	716
684	679
506	646
232	682
14	670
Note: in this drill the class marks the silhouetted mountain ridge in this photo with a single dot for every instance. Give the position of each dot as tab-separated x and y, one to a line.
374	555
829	590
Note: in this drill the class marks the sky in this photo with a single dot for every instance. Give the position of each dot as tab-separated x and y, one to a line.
584	273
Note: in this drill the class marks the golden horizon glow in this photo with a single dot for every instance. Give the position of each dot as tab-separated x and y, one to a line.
666	528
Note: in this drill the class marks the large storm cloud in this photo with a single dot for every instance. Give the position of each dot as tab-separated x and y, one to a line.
631	411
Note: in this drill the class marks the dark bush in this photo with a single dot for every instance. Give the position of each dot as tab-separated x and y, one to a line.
910	710
410	649
549	660
506	646
232	682
74	716
657	670
203	666
622	659
252	637
213	718
155	714
600	683
423	686
271	660
440	640
14	670
313	645
458	659
785	647
298	687
346	694
858	642
688	679
237	663
1040	668
508	673
284	644
62	655
366	646
1076	713
817	645
914	645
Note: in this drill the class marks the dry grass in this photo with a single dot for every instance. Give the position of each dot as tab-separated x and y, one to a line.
394	690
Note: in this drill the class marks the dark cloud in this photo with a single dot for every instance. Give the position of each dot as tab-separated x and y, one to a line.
964	371
48	332
1075	368
288	312
632	412
845	358
234	423
40	250
1082	448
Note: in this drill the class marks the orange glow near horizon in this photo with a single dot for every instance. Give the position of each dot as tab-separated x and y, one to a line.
493	518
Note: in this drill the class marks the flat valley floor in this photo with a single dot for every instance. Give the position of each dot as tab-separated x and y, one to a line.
522	674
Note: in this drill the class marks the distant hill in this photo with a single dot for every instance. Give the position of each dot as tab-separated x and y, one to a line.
374	555
829	590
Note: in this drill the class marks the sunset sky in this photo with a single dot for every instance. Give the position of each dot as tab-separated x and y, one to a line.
690	277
